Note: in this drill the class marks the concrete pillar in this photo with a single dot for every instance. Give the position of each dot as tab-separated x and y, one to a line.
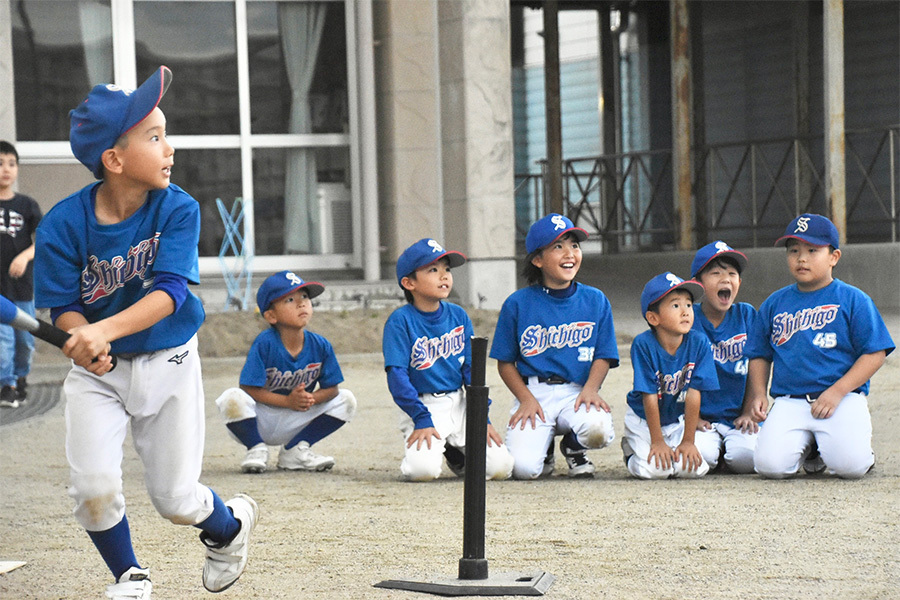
835	158
443	78
409	157
476	116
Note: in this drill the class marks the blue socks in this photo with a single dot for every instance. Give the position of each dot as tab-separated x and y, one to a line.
220	526
318	429
246	431
115	547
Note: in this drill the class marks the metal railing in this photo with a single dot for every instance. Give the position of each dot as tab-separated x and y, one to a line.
743	192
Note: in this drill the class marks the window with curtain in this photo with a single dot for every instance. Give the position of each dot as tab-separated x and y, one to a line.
60	49
298	85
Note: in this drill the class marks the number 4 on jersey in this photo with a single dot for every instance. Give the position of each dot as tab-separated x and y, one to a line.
825	340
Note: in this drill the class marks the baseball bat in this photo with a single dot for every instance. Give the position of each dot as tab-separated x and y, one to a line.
15	317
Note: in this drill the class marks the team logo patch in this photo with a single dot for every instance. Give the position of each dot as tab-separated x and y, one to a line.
100	278
730	350
785	325
435	247
285	381
722	247
674	279
179	358
558	222
802	224
427	351
537	339
676	383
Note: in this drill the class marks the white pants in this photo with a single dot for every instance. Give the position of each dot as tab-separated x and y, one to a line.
738	446
161	396
636	448
593	428
448	414
278	426
844	439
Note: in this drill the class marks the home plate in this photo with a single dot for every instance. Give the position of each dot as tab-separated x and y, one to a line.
8	565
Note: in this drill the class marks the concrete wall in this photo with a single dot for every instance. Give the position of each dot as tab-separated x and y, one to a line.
874	268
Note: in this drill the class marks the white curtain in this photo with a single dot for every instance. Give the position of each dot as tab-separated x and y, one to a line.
96	33
301	26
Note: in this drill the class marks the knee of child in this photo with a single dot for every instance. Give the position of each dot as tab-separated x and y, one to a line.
235	405
346	409
737	462
499	464
598	434
849	467
421	466
526	472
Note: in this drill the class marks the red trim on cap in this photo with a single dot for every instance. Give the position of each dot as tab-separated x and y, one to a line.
798	238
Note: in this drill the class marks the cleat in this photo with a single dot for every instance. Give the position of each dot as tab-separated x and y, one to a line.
226	562
256	458
579	464
456	460
302	458
813	463
134	584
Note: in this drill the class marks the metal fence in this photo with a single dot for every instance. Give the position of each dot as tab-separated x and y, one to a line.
745	192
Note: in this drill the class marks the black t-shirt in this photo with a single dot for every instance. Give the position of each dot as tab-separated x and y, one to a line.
19	217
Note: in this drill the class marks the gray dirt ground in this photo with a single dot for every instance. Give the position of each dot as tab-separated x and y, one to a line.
335	534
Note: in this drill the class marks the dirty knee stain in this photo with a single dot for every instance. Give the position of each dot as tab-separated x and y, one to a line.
97	507
233	409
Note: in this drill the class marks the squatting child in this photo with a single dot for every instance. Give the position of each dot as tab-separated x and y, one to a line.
19	217
554	344
289	394
672	366
725	322
112	263
428	357
822	340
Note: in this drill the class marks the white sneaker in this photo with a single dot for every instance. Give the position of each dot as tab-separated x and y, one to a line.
256	458
226	562
580	466
302	458
134	584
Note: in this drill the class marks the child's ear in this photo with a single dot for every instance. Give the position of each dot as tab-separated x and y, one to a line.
407	284
835	256
538	259
111	160
269	316
652	318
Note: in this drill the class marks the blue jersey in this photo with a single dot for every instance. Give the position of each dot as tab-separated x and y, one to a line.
108	268
813	338
727	342
433	348
669	377
545	335
270	366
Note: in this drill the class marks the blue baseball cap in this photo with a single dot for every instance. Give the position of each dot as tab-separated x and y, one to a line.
812	229
281	284
424	252
547	230
717	249
662	284
108	113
